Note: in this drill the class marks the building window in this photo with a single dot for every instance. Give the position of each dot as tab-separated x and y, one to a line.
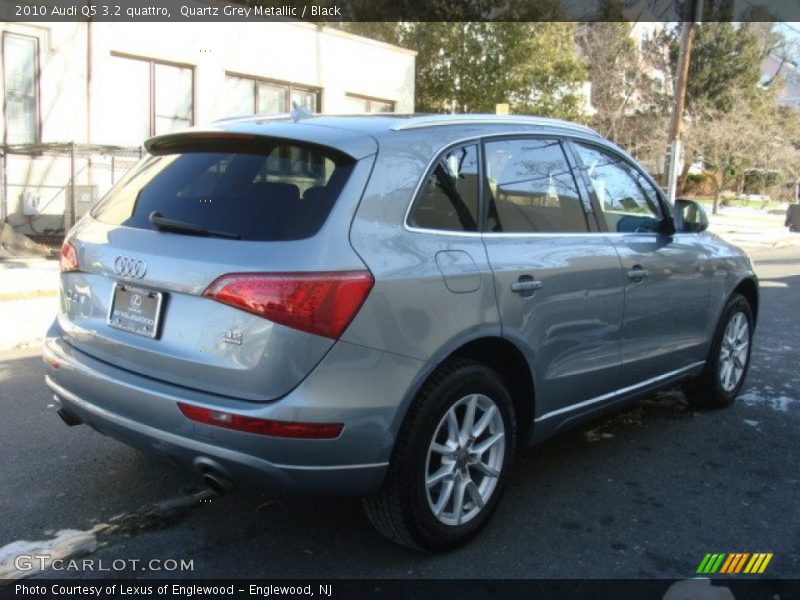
20	77
364	104
155	98
644	40
248	95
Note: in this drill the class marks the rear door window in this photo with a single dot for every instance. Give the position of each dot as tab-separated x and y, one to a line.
278	191
531	188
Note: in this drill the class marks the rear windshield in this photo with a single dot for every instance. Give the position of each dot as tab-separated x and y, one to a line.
279	191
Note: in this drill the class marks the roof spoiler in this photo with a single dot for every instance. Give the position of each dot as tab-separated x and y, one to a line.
161	144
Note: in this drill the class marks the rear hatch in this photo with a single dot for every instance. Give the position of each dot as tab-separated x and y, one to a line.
220	263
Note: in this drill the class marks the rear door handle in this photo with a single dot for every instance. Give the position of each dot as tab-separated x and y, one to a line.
637	273
526	286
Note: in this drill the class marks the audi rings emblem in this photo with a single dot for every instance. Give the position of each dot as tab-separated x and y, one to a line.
130	267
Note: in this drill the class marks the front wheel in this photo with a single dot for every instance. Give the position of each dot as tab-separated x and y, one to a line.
728	359
450	461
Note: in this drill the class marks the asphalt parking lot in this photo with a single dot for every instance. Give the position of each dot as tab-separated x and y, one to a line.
644	493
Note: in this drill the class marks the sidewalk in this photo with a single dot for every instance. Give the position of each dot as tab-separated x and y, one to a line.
28	300
752	228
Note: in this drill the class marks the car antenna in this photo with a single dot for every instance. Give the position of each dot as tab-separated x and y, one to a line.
299	112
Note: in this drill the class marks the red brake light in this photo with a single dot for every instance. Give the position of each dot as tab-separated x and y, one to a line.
288	429
319	303
69	258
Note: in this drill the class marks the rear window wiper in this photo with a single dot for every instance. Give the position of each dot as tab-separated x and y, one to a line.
165	224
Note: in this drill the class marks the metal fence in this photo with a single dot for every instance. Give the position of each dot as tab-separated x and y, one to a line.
46	188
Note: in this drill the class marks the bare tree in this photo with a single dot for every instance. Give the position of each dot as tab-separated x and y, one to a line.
630	86
754	134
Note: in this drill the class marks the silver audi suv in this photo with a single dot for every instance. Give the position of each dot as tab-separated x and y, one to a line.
387	306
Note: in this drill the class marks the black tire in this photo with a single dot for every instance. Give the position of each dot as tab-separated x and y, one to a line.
708	389
401	510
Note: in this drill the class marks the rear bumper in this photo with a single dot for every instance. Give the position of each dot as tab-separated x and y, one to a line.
363	388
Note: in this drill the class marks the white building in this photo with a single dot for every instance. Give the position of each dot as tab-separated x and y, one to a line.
775	68
116	84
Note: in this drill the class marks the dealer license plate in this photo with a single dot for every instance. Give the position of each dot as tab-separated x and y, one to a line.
136	310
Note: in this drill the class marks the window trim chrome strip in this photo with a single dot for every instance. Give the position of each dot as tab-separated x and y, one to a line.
617	393
532	235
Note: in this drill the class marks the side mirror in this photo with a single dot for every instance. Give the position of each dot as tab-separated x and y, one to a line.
690	216
666	226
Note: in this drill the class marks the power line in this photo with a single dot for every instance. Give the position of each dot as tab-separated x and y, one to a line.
787	26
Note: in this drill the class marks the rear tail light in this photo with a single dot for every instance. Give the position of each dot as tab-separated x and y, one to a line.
287	429
69	258
319	303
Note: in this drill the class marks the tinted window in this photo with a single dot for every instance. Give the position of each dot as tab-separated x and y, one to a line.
283	192
628	201
449	198
531	188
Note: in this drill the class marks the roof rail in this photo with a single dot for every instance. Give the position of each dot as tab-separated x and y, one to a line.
489	119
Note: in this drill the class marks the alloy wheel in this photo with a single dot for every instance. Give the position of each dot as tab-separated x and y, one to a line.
734	351
465	458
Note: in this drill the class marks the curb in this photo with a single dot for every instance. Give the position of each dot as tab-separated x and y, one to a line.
788	241
30	295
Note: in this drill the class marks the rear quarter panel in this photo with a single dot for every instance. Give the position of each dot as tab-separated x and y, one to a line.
411	311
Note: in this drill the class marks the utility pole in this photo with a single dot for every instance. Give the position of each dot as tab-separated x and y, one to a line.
673	139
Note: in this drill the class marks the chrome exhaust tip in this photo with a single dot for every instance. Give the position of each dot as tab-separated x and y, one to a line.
217	482
68	417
